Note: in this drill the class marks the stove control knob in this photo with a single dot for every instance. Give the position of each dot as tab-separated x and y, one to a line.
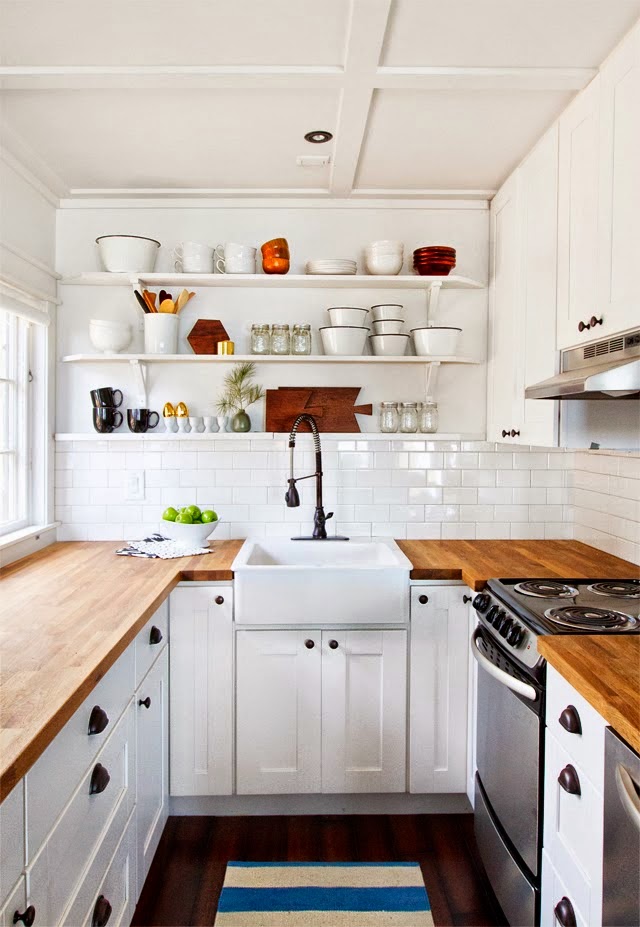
505	627
481	602
515	635
499	619
492	614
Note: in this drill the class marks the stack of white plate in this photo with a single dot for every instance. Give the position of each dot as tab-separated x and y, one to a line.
334	266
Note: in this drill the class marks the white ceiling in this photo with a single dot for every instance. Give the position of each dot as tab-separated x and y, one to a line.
213	97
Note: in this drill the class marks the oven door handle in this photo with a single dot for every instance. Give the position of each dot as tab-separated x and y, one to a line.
628	794
521	688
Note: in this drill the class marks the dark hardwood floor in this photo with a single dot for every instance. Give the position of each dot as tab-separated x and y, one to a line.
188	870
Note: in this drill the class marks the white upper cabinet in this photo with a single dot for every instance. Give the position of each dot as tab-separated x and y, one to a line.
578	216
619	217
522	298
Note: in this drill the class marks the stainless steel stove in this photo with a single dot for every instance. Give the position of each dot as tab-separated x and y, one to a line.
512	614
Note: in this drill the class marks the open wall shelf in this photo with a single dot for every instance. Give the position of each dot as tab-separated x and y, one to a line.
260	359
277	281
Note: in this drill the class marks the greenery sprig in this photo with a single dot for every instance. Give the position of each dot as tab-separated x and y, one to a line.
239	392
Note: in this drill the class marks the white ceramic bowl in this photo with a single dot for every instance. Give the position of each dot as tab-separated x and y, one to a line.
389	345
347	315
132	254
441	340
110	337
387	264
388	327
385	245
387	313
344	340
188	534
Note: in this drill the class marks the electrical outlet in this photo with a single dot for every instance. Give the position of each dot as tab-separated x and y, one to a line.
134	486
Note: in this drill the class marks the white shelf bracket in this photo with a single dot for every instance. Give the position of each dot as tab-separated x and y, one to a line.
141	370
433	295
431	379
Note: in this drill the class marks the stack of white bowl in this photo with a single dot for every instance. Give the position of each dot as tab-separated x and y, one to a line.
388	339
347	332
110	336
384	257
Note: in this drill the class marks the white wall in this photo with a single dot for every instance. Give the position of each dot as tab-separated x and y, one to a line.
27	258
319	230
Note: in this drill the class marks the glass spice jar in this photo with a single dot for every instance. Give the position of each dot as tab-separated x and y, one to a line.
428	416
388	417
260	341
280	339
301	339
408	417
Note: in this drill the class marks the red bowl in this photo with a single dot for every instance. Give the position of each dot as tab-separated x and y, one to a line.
434	254
449	264
433	270
435	248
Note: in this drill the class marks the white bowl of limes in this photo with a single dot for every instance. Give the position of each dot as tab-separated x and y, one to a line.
190	524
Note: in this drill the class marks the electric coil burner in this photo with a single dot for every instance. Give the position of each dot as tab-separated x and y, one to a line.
546	589
583	618
620	590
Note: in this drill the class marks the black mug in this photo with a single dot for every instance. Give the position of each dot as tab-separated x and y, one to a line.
140	420
106	420
105	398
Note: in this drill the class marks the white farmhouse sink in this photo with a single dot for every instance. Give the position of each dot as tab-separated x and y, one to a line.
279	581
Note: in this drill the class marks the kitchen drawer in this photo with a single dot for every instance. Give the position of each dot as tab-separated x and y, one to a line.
117	890
16	902
67	856
12	837
554	891
55	776
151	640
586	748
573	827
121	830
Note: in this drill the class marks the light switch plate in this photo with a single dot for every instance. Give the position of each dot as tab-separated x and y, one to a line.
134	486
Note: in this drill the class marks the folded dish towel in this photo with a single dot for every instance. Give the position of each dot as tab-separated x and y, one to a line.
157	546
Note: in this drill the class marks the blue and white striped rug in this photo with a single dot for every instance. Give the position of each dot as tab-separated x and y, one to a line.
323	895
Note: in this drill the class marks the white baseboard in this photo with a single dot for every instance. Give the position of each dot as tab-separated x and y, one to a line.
230	805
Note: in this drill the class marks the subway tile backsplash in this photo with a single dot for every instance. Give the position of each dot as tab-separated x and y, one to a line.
377	488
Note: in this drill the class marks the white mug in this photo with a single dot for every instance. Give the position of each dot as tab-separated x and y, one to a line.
193	257
234	258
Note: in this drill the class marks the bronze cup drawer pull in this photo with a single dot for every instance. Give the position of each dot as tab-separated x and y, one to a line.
570	720
101	912
564	913
98	720
99	779
27	917
155	635
569	780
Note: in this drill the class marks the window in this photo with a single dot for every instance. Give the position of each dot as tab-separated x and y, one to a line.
23	422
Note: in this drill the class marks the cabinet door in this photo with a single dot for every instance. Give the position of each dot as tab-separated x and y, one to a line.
438	689
619	227
364	696
578	215
152	752
505	297
278	711
535	355
201	717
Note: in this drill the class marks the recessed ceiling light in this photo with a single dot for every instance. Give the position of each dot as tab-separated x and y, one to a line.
318	137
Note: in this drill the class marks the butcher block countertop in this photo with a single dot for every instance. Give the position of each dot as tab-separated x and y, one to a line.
70	610
605	669
475	562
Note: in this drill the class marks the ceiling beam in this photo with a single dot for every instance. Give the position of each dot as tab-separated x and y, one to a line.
131	77
452	78
366	30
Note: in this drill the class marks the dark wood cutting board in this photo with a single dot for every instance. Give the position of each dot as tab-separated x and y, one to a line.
205	335
333	407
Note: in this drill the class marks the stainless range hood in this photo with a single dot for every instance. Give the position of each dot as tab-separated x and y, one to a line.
608	369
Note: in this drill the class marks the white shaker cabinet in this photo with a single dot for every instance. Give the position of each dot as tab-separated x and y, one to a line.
438	688
579	128
201	698
152	772
522	299
619	216
321	711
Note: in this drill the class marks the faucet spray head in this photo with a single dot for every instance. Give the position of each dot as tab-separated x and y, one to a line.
292	497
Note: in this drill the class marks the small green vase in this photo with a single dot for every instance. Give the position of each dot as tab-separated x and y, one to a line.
241	422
